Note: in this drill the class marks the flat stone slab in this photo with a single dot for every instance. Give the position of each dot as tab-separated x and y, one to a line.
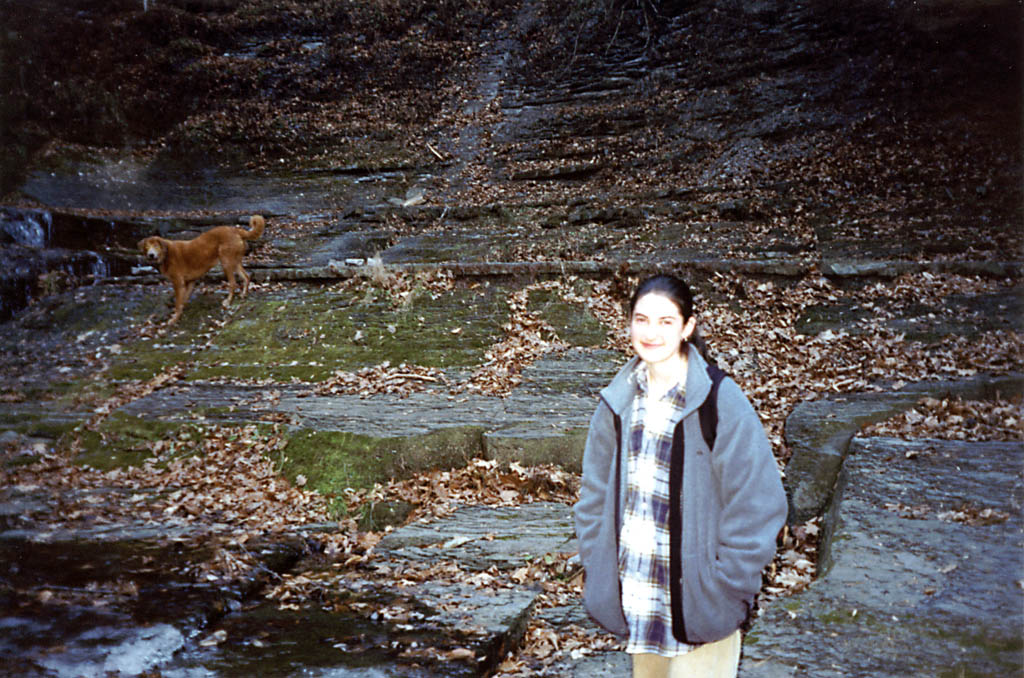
910	588
479	537
558	394
819	432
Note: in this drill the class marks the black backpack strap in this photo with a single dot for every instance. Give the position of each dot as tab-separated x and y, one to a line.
708	411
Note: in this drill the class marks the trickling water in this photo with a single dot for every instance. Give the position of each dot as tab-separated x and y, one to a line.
350	673
29	228
99	268
124	652
35	243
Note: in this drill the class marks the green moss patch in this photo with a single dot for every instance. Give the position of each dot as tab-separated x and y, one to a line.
332	461
574	324
308	333
35	419
123	441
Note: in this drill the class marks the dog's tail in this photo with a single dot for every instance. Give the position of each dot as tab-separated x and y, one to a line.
256	224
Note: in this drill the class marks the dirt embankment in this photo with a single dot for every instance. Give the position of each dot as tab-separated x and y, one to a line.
224	81
856	123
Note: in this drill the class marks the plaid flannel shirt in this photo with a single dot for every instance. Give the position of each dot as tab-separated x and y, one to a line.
644	540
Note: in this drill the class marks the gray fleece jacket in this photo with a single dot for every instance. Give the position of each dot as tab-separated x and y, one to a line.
732	508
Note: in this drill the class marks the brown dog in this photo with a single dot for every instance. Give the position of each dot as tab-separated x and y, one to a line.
184	262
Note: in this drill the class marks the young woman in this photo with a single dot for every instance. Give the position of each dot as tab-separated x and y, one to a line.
673	535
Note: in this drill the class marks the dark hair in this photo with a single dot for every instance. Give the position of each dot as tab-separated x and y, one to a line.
677	291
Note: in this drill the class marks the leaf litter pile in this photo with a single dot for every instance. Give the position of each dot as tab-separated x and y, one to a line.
223	481
955	419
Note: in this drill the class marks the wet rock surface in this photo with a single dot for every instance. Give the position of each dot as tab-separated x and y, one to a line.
156	615
363	629
909	583
118	600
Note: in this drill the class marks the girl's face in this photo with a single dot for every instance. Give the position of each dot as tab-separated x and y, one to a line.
657	328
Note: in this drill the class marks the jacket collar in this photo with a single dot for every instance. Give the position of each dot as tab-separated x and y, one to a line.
619	393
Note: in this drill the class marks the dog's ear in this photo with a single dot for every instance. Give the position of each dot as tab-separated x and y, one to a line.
142	244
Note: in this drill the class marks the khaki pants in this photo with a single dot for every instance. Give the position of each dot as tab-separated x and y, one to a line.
719	659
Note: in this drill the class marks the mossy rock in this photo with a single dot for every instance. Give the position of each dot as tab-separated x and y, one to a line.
564	450
573	324
83	310
819	433
307	333
123	441
39	420
379	515
332	461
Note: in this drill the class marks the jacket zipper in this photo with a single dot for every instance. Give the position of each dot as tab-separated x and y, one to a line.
675	523
618	488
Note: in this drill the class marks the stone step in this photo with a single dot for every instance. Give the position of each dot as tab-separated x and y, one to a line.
918	581
480	537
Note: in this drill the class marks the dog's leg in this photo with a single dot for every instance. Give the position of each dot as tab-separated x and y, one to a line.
182	291
229	273
245	280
